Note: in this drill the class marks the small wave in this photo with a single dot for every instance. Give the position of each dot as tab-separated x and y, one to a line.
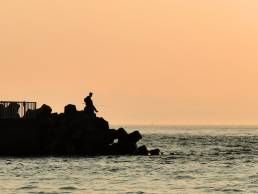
253	176
232	190
184	177
27	187
68	188
227	190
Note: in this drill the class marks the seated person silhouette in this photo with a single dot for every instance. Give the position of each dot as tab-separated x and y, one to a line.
90	108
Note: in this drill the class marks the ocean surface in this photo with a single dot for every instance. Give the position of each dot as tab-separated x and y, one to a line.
196	159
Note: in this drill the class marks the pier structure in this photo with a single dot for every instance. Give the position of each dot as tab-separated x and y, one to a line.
15	109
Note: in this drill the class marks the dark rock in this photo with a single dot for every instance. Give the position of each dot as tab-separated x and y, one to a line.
123	148
155	152
121	134
54	115
142	150
44	111
135	136
70	109
113	134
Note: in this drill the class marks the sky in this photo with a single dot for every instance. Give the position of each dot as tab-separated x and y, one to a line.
147	61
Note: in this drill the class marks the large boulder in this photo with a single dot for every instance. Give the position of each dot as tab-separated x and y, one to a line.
142	150
126	143
44	111
155	152
135	136
70	109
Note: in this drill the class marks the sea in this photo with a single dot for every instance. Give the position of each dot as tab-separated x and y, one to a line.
195	159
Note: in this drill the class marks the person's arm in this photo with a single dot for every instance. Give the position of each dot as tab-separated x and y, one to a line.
95	108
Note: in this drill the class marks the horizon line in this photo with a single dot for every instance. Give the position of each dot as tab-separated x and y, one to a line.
131	124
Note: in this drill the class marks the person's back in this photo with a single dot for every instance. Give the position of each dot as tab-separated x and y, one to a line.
90	108
88	101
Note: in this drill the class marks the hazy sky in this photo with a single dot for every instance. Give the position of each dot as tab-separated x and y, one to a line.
147	61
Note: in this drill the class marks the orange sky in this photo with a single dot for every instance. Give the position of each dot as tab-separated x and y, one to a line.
148	61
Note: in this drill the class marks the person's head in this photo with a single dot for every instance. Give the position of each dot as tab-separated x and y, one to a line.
90	94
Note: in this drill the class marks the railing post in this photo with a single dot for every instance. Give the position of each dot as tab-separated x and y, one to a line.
24	108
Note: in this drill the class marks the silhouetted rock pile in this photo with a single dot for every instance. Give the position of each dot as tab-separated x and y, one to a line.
73	132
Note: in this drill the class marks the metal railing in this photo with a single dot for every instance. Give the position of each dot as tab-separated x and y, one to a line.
15	109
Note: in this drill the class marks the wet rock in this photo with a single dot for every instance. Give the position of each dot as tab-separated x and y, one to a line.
112	135
135	136
155	152
122	148
142	150
121	134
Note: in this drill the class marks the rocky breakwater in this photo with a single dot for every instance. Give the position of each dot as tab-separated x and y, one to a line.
41	133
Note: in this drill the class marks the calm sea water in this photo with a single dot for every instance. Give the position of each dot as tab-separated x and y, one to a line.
196	159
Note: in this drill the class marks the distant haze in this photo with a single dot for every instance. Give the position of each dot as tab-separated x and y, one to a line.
147	61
